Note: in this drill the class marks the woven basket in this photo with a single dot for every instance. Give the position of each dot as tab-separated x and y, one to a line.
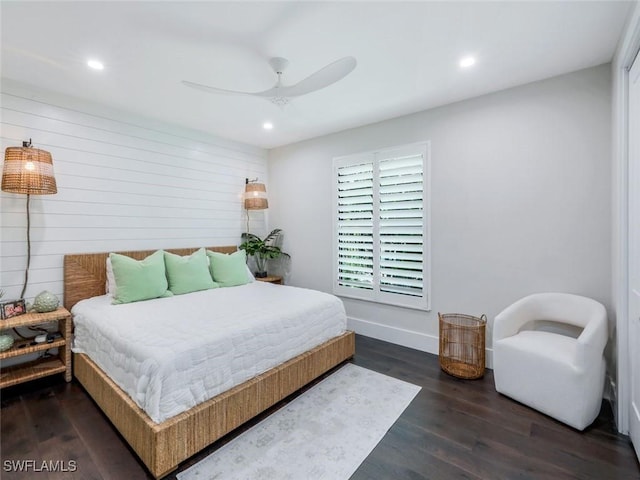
462	345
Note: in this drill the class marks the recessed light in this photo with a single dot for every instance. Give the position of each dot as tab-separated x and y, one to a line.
95	64
466	62
267	125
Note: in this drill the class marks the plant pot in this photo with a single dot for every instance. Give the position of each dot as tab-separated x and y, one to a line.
261	274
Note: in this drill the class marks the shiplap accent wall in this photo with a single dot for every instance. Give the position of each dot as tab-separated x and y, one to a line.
124	183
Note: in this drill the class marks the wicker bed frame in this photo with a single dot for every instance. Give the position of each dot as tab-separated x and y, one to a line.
162	446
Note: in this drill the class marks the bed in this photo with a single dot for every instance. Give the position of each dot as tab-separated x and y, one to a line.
163	444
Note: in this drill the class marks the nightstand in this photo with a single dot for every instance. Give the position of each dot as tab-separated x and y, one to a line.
271	279
41	367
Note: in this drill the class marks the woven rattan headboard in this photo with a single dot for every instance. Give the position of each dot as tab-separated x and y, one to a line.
85	273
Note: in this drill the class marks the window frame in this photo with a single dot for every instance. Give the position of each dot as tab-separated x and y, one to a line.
375	295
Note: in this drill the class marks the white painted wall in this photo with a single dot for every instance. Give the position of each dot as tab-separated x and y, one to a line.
521	201
124	183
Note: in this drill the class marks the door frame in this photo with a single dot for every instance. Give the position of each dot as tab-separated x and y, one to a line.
626	53
634	254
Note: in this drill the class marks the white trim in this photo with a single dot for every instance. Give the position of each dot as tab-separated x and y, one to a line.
395	302
633	253
426	232
625	54
406	338
408	146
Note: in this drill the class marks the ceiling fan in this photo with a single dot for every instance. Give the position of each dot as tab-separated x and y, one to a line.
279	93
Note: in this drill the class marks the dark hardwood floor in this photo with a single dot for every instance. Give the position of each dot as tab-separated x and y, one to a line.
452	429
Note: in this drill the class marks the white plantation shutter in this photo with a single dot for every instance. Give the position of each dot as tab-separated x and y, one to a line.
355	225
381	219
401	225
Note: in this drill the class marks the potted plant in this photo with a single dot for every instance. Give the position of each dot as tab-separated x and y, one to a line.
262	250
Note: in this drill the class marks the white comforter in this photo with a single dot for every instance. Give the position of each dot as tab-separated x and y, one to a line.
170	354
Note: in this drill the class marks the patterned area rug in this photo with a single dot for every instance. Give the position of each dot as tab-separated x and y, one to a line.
325	433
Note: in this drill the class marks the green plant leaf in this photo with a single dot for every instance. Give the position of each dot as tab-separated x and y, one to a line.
263	249
272	238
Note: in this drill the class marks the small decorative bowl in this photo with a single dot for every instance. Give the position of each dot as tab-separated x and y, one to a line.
6	341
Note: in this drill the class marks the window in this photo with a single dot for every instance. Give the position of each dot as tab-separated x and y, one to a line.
381	241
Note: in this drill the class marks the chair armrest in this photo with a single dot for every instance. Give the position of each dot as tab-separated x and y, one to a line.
594	336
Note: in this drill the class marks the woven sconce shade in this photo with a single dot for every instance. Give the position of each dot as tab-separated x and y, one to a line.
29	171
255	196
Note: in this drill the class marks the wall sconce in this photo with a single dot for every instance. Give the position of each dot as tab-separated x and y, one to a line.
29	171
255	195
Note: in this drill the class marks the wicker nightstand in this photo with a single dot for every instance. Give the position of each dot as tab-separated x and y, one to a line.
271	279
42	367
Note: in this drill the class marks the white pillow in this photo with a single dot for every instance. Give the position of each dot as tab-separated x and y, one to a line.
111	280
250	275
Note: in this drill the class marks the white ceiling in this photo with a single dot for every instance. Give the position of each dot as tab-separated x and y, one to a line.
407	55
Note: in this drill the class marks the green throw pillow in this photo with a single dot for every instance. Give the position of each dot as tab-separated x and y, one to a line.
139	279
188	274
228	270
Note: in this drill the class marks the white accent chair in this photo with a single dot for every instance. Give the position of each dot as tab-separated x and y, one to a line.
556	374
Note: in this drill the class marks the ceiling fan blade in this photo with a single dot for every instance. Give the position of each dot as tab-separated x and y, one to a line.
316	81
206	88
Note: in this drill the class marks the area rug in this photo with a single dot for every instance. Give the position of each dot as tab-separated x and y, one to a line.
325	433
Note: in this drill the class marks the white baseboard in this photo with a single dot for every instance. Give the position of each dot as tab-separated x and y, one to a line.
400	336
